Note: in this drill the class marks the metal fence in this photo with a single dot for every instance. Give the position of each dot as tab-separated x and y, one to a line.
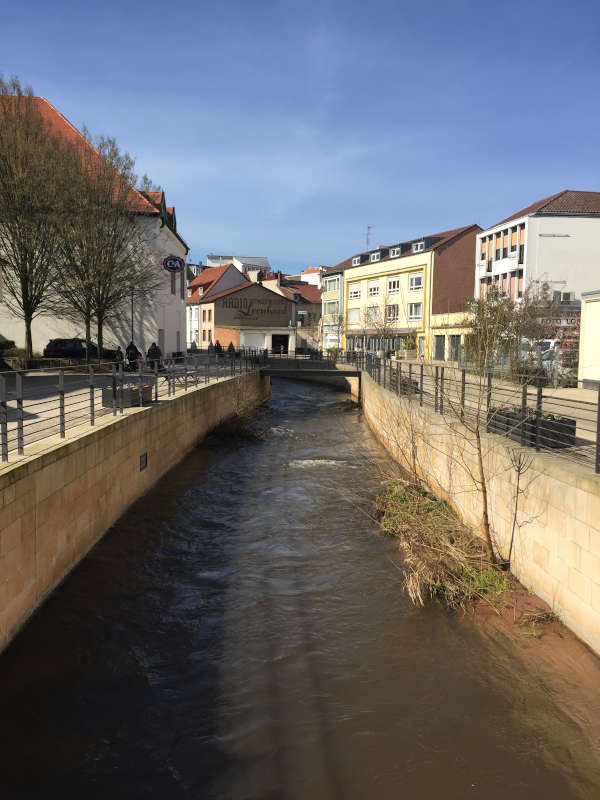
37	404
518	407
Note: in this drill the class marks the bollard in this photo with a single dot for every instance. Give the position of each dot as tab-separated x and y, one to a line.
120	393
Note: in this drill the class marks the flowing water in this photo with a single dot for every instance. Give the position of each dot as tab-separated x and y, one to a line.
241	632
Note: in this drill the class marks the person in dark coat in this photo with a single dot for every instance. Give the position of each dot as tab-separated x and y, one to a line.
119	355
218	348
231	350
154	355
132	354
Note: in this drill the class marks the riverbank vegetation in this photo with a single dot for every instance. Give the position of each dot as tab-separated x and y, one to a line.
444	560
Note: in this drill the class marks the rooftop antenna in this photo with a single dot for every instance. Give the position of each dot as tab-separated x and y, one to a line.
369	229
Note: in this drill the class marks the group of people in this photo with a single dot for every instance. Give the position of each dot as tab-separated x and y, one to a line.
153	356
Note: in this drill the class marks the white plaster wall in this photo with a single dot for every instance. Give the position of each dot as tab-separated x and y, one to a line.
589	342
166	311
565	251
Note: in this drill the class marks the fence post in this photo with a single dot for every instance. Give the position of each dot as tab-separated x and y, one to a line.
420	384
597	434
436	389
463	386
92	409
113	368
61	402
140	382
19	390
442	390
4	418
121	388
156	381
185	373
523	413
538	413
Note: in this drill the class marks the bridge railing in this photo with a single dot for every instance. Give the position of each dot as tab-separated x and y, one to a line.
521	407
41	403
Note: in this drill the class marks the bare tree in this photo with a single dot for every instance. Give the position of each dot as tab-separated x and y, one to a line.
36	202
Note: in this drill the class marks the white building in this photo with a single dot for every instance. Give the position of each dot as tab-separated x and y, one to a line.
589	338
245	264
161	320
554	241
332	298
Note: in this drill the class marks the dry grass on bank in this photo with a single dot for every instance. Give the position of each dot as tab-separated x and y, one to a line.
443	559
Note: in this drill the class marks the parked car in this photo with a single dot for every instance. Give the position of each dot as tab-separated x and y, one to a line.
74	348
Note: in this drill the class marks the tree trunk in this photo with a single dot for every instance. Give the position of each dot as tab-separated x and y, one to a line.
28	340
484	499
88	336
100	336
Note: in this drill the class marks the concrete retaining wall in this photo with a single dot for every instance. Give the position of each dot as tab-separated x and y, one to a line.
556	551
54	507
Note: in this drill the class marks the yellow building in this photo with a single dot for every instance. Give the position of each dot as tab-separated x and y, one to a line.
411	295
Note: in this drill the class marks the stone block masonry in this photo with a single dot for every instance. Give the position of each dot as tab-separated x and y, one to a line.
55	506
556	551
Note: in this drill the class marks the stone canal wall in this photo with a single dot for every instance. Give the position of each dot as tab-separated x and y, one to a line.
55	506
556	551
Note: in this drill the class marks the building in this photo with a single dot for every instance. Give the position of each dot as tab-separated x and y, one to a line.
249	315
209	282
411	295
160	319
555	241
332	308
588	376
312	275
244	264
307	306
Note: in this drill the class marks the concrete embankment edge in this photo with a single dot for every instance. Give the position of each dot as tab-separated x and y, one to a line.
55	506
556	551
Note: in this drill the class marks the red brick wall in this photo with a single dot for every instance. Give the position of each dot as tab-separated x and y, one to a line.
226	335
454	273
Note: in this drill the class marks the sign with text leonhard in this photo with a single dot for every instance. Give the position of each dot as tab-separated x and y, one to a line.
254	307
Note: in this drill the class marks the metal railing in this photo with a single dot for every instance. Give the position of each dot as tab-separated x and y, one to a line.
517	406
42	403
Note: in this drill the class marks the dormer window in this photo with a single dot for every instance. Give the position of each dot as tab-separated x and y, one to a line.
394	252
375	256
356	261
418	247
190	292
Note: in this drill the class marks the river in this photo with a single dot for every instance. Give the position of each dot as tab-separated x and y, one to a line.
241	632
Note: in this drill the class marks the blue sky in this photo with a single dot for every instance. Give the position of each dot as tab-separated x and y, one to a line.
284	128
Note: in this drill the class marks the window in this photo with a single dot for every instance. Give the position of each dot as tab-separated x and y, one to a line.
204	335
173	286
353	316
190	292
391	313
356	261
203	315
332	307
210	314
393	285
418	247
375	256
372	314
395	252
415	310
415	282
332	285
354	291
373	288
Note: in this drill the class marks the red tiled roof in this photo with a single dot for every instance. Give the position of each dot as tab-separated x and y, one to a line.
569	202
61	127
246	285
210	275
308	292
310	270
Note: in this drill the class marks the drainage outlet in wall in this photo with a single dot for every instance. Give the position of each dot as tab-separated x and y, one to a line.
143	461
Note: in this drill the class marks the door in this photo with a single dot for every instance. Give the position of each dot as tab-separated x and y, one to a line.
280	342
440	348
